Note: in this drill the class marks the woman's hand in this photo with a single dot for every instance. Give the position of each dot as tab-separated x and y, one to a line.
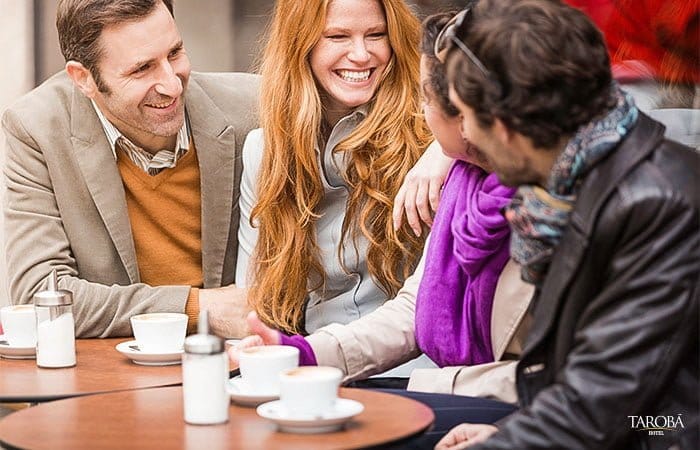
262	335
419	194
465	435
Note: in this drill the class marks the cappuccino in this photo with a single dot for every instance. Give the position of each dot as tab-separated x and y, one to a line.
19	325
21	308
309	391
160	317
315	372
260	367
159	332
269	351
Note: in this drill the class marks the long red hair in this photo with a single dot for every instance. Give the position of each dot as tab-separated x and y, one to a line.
383	147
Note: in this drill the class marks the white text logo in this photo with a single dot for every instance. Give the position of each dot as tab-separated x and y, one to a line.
656	425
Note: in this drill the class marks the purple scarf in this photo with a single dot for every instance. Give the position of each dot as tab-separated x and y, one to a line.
468	249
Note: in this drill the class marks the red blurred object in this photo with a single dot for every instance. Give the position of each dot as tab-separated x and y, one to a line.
649	38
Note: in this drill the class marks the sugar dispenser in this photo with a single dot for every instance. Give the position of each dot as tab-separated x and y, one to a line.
55	327
204	377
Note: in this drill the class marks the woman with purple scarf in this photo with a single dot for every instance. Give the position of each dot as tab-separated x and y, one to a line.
465	305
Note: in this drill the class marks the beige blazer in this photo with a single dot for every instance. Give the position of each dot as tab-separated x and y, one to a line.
65	207
386	338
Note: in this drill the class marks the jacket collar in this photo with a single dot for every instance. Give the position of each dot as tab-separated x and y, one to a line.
96	161
215	141
597	187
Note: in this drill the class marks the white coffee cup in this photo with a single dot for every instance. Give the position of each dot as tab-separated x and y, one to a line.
261	366
229	343
19	325
310	390
159	332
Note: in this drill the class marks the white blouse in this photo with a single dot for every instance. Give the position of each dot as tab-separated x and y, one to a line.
346	295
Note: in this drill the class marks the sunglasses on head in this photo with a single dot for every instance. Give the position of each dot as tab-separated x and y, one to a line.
448	37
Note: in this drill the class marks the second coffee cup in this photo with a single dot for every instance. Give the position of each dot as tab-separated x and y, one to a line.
159	332
19	325
310	390
261	367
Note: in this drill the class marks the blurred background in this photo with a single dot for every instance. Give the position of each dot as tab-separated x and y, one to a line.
220	35
225	35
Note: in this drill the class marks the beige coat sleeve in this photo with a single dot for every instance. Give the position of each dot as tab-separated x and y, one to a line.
494	380
385	338
36	242
509	325
377	342
65	207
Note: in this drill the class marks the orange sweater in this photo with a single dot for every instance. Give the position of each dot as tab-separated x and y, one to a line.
165	215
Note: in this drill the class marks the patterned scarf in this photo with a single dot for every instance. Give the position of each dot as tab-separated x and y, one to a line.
538	217
467	251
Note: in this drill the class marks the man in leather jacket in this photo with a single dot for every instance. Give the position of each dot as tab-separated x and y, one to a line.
605	224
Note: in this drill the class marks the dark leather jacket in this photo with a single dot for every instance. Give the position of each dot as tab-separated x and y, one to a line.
615	331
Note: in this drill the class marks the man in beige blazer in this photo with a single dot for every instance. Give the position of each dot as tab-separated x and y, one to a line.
66	203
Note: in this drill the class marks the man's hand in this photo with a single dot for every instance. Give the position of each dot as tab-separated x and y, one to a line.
262	335
465	435
228	308
419	194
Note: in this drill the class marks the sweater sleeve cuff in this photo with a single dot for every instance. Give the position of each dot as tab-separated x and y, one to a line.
307	357
192	310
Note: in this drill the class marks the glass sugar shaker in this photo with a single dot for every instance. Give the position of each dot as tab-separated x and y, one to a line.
204	377
55	326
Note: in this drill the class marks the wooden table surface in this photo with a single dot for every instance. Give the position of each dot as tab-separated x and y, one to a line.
153	418
100	368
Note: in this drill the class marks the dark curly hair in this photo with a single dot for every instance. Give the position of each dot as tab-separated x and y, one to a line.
548	68
430	28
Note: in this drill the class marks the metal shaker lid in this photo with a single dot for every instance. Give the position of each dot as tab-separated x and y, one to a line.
53	296
203	343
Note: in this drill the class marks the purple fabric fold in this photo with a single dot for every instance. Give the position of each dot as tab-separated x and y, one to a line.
468	249
307	357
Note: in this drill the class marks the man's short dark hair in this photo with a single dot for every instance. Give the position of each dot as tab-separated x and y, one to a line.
548	68
80	24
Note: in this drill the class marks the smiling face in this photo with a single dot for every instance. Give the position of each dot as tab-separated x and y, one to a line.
350	58
145	70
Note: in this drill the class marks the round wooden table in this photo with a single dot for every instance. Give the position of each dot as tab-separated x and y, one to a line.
153	418
100	368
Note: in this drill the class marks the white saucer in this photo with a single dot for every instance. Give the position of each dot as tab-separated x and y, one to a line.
333	420
236	388
131	351
9	352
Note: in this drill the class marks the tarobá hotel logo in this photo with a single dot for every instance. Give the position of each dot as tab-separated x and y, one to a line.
656	425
